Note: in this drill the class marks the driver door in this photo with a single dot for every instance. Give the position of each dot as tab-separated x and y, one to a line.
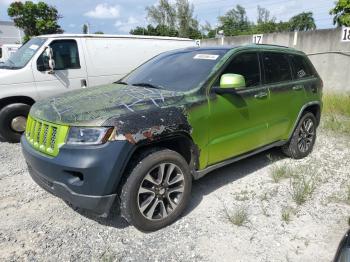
238	121
69	73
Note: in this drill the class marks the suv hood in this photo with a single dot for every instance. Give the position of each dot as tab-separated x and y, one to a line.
96	106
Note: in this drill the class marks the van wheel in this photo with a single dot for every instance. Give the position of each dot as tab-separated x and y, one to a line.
13	120
156	190
303	138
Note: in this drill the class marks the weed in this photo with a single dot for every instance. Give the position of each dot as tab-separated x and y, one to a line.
281	172
301	188
286	215
239	217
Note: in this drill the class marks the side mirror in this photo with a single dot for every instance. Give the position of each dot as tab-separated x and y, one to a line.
229	83
232	81
51	61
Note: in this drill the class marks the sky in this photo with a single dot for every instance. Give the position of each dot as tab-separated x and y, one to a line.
119	16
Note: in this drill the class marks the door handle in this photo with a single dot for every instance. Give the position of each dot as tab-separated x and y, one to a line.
260	95
83	83
298	87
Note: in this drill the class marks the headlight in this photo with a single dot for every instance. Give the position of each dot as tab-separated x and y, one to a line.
88	135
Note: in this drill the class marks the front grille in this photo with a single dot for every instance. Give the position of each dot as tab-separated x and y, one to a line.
44	136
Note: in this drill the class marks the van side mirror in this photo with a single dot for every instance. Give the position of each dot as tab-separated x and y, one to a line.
229	83
51	64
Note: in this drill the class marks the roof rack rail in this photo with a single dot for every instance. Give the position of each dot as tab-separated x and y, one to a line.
273	45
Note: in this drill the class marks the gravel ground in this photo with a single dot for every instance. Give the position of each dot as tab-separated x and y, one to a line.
35	226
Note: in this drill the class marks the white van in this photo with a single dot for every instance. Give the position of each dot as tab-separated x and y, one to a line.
51	64
7	50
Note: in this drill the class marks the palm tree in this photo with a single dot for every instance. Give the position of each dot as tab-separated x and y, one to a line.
302	22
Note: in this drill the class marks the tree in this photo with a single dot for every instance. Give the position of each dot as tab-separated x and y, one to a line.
302	22
85	29
187	25
162	14
170	19
341	13
159	30
35	19
264	16
99	33
235	22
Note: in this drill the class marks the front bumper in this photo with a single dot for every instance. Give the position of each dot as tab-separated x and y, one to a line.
85	176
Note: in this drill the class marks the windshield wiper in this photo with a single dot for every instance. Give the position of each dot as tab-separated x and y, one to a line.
121	82
149	85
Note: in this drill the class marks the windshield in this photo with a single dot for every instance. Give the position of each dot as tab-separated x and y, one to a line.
23	55
177	70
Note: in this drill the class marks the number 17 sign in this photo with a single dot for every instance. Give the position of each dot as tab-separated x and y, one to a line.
345	36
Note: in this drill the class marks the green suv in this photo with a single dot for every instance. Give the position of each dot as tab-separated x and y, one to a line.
180	115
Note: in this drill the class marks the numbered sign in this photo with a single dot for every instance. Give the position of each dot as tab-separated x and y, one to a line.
258	39
345	36
198	42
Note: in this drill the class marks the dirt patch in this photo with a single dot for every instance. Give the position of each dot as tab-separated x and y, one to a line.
36	226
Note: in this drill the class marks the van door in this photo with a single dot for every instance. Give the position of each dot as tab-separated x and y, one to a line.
287	95
238	122
70	70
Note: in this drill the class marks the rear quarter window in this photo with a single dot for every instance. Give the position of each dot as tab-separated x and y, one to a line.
301	67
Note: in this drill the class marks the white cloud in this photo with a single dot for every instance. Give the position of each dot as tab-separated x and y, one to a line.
126	26
104	11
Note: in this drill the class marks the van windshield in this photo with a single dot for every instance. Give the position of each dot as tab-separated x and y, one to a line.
176	70
24	54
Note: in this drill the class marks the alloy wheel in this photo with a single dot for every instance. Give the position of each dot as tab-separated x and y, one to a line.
306	135
161	191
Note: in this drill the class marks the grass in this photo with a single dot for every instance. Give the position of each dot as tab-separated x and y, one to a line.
238	217
286	215
301	188
336	112
280	172
336	104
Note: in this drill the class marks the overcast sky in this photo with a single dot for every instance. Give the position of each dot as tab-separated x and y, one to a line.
119	16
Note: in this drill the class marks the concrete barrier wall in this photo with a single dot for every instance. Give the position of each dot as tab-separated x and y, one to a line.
330	56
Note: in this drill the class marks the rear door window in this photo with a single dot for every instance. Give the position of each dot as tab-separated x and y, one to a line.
301	68
276	67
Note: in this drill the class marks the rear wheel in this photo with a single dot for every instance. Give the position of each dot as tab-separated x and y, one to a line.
156	191
13	120
303	138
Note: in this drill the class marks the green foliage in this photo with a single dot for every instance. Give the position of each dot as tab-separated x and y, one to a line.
336	112
302	22
99	33
159	30
35	19
341	13
174	20
235	22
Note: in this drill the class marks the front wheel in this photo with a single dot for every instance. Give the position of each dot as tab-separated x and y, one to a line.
156	191
13	120
303	138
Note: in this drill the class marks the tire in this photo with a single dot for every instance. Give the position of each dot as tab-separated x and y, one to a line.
139	203
303	139
7	114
